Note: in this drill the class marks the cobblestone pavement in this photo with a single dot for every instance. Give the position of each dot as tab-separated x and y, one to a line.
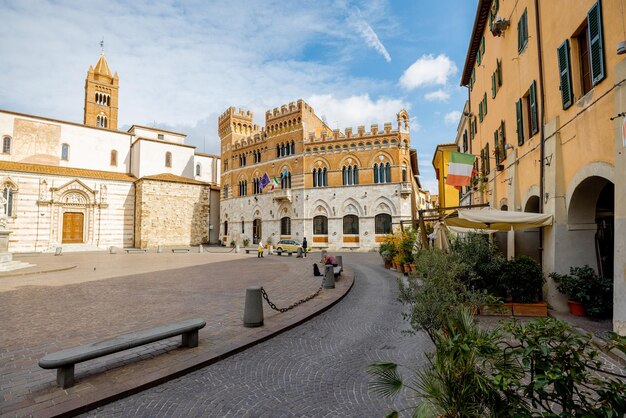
108	295
317	369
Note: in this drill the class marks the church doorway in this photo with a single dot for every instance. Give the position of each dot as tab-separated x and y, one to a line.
256	231
73	225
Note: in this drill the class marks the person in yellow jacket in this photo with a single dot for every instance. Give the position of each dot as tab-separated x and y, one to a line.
260	250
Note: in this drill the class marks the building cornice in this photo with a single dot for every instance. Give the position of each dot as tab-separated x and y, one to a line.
480	21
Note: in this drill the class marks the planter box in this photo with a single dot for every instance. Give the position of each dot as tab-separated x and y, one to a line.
506	309
530	309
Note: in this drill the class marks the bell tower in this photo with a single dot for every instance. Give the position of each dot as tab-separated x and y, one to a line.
101	95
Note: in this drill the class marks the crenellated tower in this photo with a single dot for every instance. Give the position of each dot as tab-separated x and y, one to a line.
101	96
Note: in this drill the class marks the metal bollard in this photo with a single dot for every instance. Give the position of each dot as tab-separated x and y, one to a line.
237	248
299	253
200	248
340	261
159	249
323	254
112	250
58	251
253	310
329	277
271	250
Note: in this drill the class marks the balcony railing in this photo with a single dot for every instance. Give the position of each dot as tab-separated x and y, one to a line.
405	188
282	194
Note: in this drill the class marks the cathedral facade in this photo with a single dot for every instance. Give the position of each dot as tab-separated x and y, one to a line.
91	186
296	177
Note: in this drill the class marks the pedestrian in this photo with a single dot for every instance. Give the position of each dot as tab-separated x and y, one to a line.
260	250
330	260
304	245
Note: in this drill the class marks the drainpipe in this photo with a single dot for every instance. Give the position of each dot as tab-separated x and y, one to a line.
542	151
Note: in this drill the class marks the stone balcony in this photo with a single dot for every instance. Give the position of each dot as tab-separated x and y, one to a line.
405	188
282	195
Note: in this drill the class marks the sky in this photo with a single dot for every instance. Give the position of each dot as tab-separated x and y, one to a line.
182	64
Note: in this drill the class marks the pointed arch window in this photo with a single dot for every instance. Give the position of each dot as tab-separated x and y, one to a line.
285	180
382	223
388	173
293	147
376	179
404	173
225	227
320	225
355	174
114	158
8	193
65	152
351	224
285	226
6	145
198	169
168	159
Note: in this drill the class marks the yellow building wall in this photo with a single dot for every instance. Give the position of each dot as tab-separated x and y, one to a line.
448	195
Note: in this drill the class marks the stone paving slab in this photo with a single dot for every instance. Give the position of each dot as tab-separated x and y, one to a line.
53	311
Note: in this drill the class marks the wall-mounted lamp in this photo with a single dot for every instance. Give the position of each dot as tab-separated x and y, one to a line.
548	159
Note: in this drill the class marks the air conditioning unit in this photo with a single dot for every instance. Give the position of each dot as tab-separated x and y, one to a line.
499	25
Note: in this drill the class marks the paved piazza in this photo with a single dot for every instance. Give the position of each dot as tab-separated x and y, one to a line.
314	370
98	295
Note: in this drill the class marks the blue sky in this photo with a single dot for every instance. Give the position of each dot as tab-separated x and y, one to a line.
181	64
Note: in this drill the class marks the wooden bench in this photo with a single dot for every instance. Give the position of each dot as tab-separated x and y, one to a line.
135	250
65	360
180	250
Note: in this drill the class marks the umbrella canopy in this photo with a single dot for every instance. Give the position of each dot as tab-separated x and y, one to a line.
441	237
498	220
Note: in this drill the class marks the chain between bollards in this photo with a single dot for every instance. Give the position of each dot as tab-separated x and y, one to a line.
300	302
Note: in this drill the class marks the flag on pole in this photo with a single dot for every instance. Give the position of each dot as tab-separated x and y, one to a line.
274	183
265	180
460	169
285	173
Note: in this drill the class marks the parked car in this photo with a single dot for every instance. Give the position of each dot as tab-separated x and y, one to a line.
288	246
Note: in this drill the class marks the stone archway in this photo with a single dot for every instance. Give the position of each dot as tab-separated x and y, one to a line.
528	242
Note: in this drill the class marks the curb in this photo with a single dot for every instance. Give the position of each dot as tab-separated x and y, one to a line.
73	408
27	273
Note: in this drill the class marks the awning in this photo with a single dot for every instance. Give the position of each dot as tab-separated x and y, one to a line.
498	220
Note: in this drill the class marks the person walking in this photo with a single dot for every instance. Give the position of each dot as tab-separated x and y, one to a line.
260	250
304	245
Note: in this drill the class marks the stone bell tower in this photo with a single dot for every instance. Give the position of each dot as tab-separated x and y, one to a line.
101	95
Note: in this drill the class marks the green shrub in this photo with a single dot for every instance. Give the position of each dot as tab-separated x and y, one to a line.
523	279
585	286
483	264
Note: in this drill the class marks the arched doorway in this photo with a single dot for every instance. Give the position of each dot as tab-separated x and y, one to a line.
590	218
528	241
257	232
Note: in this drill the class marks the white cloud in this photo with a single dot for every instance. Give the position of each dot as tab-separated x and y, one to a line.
414	124
352	111
452	118
437	96
428	70
367	33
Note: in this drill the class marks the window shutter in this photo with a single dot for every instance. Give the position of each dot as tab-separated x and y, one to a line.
503	139
596	49
485	105
493	85
499	72
519	36
565	74
534	125
482	45
490	21
496	147
520	122
488	163
480	111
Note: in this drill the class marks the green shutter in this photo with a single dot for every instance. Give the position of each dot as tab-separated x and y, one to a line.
522	32
488	166
519	36
534	125
482	45
499	72
496	6
480	111
496	147
596	49
520	122
503	140
485	105
490	21
565	74
493	85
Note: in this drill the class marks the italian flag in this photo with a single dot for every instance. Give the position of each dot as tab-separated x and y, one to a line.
274	183
460	169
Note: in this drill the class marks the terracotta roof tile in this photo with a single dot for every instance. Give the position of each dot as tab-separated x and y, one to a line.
64	171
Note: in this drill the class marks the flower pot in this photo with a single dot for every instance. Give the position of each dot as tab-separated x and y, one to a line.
387	264
412	266
530	309
407	268
576	308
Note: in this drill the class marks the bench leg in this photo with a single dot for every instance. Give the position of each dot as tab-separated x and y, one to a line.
190	339
65	376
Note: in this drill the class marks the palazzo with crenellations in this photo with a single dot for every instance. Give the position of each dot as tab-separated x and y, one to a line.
342	190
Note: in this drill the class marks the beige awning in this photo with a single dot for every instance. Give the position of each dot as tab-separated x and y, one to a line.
498	220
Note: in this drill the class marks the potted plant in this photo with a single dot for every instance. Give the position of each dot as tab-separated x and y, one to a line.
246	241
523	279
387	251
588	294
269	241
233	243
